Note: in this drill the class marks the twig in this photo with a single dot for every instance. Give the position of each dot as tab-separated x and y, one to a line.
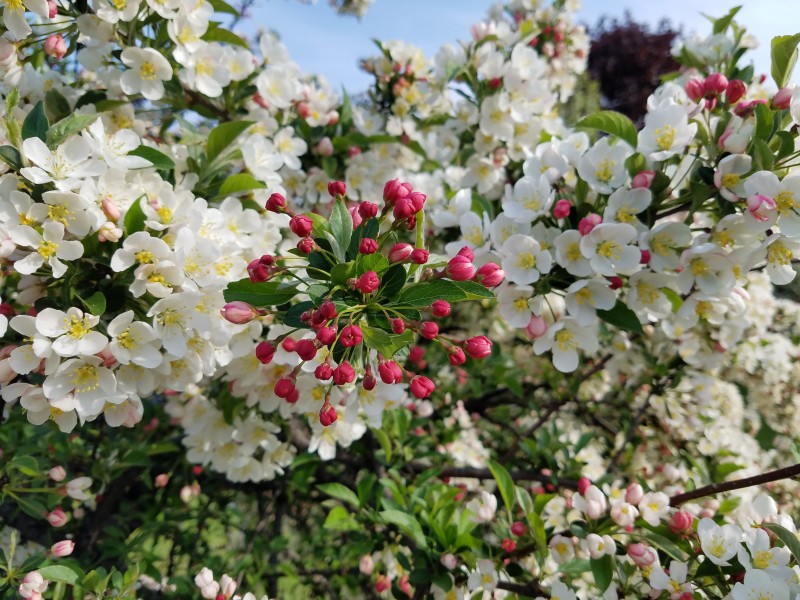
516	475
528	590
535	427
717	488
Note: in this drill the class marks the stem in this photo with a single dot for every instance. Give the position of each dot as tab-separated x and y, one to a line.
717	488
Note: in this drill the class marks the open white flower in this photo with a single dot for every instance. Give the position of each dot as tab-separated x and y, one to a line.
758	584
66	166
72	331
666	132
603	166
720	543
608	250
524	260
675	582
133	341
146	74
14	15
773	561
531	198
585	296
564	339
50	247
513	304
71	210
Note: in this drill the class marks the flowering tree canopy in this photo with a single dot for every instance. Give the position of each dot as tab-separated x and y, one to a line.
261	340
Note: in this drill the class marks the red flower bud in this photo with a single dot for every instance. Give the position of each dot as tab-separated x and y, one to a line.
369	382
460	268
440	308
643	179
429	330
398	326
589	222
301	225
351	336
735	91
368	246
327	414
715	84
400	252
288	344
394	190
456	356
337	188
328	309
467	252
323	372
306	245
681	522
284	387
368	282
260	269
419	256
518	528
416	354
421	387
645	257
326	335
783	98
306	349
367	210
508	545
695	89
614	282
390	372
562	209
344	374
276	203
584	483
417	200
490	275
239	312
404	208
478	347
264	352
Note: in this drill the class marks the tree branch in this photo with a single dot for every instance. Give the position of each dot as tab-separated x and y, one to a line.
717	488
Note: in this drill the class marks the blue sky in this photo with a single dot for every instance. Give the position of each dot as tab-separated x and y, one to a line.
324	43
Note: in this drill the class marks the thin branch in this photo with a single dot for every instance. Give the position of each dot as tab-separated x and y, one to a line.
543	418
516	475
717	488
528	590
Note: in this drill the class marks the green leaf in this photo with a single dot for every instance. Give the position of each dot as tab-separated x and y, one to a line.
35	124
320	224
239	183
784	57
341	227
222	136
385	343
763	157
622	317
385	442
60	573
26	465
260	295
764	122
56	106
603	571
292	316
393	281
407	524
160	161
505	484
96	303
221	6
12	100
613	123
134	218
664	544
340	520
32	507
425	293
11	156
721	24
66	127
787	537
340	492
90	97
218	34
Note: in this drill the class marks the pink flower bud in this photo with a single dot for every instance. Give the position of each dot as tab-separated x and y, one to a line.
161	480
478	347
368	282
337	188
467	252
326	335
429	330
369	382
760	207
536	327
306	245
456	356
634	494
57	518
264	352
327	414
382	584
583	485
328	309
276	203
351	336
681	522
735	91
589	222
110	209
260	269
421	387
518	528
284	387
57	473
55	46
508	545
642	555
449	561
366	565
301	225
614	282
306	349
562	208
440	308
644	258
62	548
344	374
367	210
404	209
395	190
355	216
460	268
783	98
325	147
643	179
419	256
490	275
52	9
323	372
695	89
400	252
239	312
398	326
390	372
715	84
417	200
368	246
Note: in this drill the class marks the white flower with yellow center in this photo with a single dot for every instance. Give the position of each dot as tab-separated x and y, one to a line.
146	74
646	295
49	247
530	199
140	248
667	132
85	378
113	11
205	69
71	210
133	341
564	338
773	561
730	176
603	166
524	260
475	231
568	254
513	304
780	253
67	166
484	577
608	249
175	318
719	543
675	582
624	206
758	585
785	193
39	410
496	117
708	268
665	242
72	331
14	15
559	591
585	296
653	507
561	549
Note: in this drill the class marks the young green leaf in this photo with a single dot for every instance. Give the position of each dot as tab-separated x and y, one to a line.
268	293
622	317
341	226
505	484
784	57
340	492
222	136
240	182
613	123
35	124
160	161
67	127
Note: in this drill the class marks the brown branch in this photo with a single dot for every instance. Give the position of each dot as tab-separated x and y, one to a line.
528	590
717	488
548	412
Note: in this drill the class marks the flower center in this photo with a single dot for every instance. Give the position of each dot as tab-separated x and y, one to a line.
77	327
730	180
144	256
604	171
526	260
609	249
665	137
85	379
566	340
785	202
126	339
147	71
762	559
699	267
779	254
47	249
58	213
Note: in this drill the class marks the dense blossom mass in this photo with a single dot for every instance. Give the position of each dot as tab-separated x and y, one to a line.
433	341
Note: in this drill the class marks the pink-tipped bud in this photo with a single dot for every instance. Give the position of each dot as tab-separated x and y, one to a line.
478	347
276	203
57	473
325	147
328	309
421	387
52	9
326	335
641	555
390	372
337	188
351	336
735	91
562	209
429	330
368	246
306	349
490	275
440	308
366	565
394	190
449	561
589	222
110	209
536	327
57	518
760	207
715	84
367	210
323	372
456	356
643	179
265	352
301	225
355	216
404	209
518	528
239	312
681	523
344	374
419	256
783	98
327	414
460	268
467	252
260	269
306	245
695	89
634	494
62	548
583	484
284	387
367	283
55	46
398	326
400	252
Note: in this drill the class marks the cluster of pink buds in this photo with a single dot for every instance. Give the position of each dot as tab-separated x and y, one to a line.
713	87
460	268
403	201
